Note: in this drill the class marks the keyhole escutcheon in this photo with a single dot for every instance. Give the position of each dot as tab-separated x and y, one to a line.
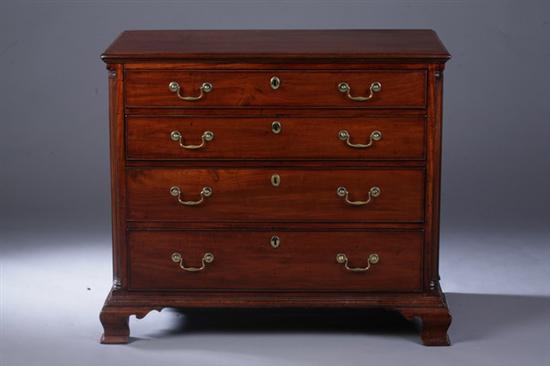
275	180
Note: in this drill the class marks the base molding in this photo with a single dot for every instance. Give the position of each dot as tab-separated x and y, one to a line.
429	308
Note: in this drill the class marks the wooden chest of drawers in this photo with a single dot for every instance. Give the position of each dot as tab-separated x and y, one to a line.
276	169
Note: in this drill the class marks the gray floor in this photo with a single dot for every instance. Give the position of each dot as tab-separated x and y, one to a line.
52	287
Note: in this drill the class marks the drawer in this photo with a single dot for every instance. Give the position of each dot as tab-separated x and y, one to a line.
200	88
196	138
302	260
271	194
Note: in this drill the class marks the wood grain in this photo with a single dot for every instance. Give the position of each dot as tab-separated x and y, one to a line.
245	210
303	261
148	138
269	45
118	172
402	89
248	195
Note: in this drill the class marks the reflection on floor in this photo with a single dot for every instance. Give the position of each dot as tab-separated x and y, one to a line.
52	288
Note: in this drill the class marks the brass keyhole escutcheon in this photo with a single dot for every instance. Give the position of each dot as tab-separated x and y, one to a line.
275	82
275	180
275	241
276	127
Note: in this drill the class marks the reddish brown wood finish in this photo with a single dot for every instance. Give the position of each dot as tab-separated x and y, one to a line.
248	195
270	45
148	138
235	224
257	65
303	261
121	304
400	89
115	321
434	324
118	172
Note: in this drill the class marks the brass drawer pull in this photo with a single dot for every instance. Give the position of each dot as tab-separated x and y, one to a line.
175	88
343	259
205	192
375	135
375	87
206	136
207	258
373	193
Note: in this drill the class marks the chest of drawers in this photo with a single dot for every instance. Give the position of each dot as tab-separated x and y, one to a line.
295	169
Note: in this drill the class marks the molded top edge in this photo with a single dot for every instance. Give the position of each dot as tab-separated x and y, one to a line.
264	45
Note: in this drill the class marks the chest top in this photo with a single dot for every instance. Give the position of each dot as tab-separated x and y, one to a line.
420	46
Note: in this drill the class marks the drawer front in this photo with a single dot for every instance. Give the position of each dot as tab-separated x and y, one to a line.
195	138
301	261
397	88
176	194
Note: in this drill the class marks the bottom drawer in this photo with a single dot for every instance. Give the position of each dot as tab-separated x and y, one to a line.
235	260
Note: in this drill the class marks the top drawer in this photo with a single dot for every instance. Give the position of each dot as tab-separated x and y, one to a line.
340	89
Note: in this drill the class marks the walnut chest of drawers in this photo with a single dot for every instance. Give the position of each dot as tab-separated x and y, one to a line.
276	169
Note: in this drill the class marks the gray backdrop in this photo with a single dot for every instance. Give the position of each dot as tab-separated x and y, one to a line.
54	185
53	97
